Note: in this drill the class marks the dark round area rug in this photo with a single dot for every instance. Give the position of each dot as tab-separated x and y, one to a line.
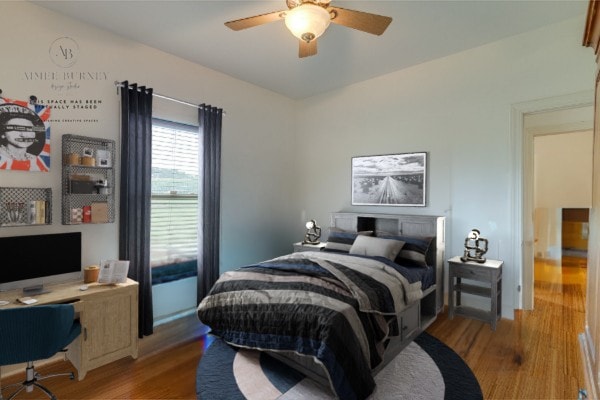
425	369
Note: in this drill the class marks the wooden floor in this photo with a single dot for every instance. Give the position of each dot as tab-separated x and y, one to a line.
165	369
534	356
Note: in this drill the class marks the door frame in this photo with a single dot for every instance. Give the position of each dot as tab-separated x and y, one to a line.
521	160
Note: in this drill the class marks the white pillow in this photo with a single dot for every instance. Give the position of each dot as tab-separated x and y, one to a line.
373	246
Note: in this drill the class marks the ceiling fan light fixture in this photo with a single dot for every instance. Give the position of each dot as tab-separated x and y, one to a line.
307	21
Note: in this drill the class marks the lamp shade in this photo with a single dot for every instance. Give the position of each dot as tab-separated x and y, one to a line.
307	21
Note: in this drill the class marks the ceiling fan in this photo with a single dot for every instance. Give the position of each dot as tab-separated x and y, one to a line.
308	19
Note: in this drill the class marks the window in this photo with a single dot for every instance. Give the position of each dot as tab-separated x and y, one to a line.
174	203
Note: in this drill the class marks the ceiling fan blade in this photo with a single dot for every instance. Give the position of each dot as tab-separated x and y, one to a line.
307	49
366	22
250	22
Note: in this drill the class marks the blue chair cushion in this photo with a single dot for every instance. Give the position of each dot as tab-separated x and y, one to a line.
35	333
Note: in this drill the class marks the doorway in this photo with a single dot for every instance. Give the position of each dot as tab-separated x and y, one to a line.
557	176
575	232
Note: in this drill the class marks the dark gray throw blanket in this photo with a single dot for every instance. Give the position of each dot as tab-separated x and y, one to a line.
338	308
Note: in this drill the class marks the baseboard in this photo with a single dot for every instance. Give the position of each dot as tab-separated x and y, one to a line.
173	317
185	328
587	357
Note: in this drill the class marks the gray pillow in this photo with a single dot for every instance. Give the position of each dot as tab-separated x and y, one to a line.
376	247
417	250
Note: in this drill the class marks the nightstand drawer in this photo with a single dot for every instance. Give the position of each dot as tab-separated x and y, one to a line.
471	273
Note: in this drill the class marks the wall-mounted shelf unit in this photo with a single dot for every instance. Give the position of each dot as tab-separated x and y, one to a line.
25	206
88	180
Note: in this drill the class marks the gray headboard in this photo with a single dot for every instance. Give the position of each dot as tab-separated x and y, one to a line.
406	225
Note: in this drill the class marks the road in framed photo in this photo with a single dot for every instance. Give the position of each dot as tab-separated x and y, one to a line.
389	180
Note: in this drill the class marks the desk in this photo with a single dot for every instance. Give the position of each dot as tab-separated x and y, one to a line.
108	315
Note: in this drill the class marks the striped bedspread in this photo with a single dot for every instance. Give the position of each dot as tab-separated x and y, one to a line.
337	308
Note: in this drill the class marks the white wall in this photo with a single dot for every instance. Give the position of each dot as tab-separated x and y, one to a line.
563	179
257	130
563	170
458	110
173	299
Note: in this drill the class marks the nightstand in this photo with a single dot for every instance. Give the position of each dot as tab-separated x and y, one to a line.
489	272
299	246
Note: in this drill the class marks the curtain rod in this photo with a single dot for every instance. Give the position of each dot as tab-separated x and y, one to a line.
186	103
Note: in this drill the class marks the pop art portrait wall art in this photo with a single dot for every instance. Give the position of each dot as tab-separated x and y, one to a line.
24	136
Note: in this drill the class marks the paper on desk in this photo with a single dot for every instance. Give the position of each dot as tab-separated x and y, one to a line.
113	271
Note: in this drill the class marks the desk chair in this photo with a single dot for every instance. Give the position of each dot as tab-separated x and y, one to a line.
35	333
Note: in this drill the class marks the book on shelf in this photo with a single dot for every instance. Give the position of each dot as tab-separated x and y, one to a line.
31	212
99	212
38	212
76	215
87	214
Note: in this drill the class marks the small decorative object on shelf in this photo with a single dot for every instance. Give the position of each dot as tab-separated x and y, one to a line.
15	212
313	233
103	159
90	274
475	247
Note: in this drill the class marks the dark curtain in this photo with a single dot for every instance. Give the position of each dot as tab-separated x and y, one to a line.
134	211
209	120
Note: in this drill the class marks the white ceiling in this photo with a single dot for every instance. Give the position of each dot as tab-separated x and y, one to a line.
267	55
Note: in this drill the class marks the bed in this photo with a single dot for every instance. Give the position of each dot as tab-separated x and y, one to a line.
341	314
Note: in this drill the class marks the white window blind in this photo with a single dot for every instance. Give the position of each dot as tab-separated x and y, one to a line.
174	203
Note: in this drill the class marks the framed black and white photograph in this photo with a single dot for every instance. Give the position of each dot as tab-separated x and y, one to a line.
389	180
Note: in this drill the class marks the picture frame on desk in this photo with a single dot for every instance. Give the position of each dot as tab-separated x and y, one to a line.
113	271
